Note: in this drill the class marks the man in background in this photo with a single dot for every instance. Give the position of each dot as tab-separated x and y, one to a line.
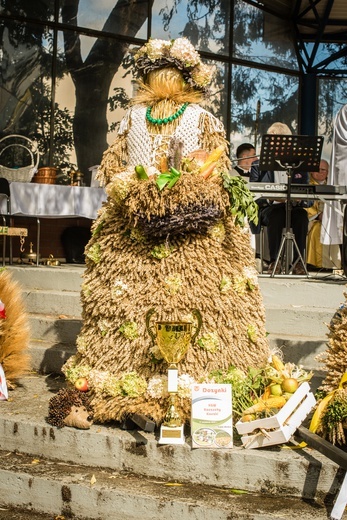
272	214
245	154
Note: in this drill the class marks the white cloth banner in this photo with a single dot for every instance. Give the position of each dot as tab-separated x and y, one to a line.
332	221
3	385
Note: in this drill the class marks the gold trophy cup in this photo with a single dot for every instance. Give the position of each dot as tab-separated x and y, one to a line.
173	339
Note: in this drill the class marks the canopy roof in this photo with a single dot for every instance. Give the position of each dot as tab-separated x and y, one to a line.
324	19
314	23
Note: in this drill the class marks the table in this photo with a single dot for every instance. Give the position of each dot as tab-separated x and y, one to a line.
52	201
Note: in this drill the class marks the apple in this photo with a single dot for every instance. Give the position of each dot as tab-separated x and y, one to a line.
276	389
81	384
290	385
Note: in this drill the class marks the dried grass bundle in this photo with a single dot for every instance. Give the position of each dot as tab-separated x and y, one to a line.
14	330
335	357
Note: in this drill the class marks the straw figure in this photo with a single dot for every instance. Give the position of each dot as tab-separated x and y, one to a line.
14	330
167	240
330	418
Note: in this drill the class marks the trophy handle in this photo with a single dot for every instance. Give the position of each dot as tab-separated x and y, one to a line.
198	317
149	314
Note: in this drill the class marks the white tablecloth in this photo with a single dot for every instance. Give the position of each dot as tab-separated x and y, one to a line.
51	200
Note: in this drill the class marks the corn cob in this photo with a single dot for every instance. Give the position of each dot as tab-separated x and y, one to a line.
266	404
276	362
267	393
212	157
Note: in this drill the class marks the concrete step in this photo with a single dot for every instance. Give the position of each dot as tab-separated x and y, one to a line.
85	492
321	293
298	321
301	350
48	357
300	473
8	512
54	302
61	329
66	277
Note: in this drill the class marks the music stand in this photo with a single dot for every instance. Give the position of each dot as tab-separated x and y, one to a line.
288	153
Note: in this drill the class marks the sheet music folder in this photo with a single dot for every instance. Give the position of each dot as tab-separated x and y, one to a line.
281	152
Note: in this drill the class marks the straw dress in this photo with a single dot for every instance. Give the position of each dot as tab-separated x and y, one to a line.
172	251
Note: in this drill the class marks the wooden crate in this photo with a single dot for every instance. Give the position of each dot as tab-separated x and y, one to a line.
280	427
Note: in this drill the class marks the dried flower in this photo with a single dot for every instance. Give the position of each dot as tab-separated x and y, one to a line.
81	344
154	49
104	326
129	329
112	386
225	284
247	281
136	235
251	276
209	342
179	53
119	288
217	232
173	284
156	354
201	75
73	373
94	253
133	385
157	387
97	378
185	383
162	251
182	49
252	333
119	188
86	290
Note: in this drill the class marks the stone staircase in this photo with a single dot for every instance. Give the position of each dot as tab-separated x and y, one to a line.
107	473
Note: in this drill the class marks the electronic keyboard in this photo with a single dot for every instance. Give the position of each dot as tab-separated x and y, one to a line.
306	189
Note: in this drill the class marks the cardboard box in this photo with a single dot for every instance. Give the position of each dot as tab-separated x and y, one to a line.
280	427
212	422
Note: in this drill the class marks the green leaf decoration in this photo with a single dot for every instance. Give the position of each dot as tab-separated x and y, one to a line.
243	205
168	178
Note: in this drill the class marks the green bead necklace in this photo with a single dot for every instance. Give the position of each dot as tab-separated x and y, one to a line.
165	120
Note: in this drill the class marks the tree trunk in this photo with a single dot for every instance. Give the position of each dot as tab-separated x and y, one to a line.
92	78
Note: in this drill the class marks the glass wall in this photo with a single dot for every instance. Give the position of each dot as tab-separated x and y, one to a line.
258	99
66	70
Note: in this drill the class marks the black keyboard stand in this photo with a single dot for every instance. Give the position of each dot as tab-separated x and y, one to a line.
288	236
288	153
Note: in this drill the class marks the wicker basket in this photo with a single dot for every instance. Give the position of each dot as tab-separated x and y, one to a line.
23	173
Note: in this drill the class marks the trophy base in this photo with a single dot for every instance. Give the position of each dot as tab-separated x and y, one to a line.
171	435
